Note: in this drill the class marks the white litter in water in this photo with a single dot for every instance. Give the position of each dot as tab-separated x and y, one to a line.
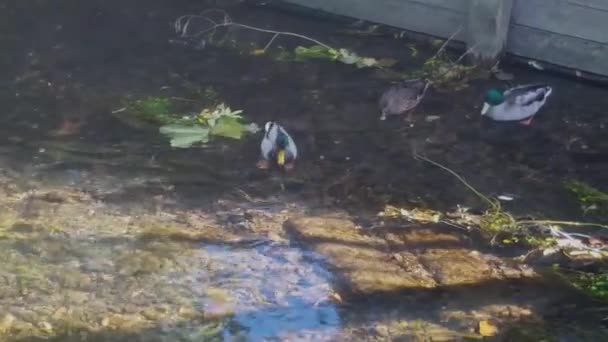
536	65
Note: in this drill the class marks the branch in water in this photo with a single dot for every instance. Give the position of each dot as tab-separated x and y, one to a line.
182	24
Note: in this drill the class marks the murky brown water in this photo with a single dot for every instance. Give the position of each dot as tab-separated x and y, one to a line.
108	234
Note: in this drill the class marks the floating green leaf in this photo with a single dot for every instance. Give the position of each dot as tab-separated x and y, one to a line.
185	135
413	51
228	127
210	118
316	51
348	57
220	121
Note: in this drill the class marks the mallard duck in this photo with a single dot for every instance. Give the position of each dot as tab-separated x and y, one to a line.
520	103
402	97
277	144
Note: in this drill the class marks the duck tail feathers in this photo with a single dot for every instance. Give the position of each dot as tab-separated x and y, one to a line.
544	94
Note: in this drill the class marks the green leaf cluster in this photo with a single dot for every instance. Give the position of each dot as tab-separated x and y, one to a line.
183	136
221	121
595	285
152	108
345	56
589	197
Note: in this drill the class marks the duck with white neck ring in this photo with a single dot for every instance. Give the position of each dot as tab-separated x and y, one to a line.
277	146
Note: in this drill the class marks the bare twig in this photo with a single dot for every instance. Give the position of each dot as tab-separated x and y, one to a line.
571	240
182	29
225	15
493	240
183	99
271	40
455	225
445	44
182	25
466	53
561	223
245	195
450	65
426	87
460	178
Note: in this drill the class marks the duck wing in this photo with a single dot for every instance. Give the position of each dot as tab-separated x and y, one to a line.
395	100
385	98
521	102
267	146
528	95
291	145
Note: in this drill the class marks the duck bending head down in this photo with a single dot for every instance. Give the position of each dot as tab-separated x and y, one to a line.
277	146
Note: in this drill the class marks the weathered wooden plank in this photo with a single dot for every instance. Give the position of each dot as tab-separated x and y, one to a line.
423	17
564	17
459	6
568	33
601	5
487	29
571	52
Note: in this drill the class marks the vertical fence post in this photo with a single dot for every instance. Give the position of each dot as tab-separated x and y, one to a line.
487	29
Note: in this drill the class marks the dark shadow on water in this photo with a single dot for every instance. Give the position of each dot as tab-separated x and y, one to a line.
412	304
546	297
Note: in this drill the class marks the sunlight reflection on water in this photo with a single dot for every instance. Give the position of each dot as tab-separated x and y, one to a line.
279	292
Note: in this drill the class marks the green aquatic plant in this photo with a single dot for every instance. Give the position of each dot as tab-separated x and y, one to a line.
445	73
590	198
442	72
345	56
185	135
496	220
529	240
156	109
302	53
209	96
183	27
216	119
164	110
594	284
220	121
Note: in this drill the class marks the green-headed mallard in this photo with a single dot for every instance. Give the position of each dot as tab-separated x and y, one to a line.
520	103
402	97
277	145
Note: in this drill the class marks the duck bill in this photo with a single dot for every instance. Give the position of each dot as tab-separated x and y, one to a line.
281	157
485	109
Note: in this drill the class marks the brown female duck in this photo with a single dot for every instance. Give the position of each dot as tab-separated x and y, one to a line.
402	97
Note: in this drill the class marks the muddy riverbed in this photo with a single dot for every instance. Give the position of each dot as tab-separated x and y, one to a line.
109	234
